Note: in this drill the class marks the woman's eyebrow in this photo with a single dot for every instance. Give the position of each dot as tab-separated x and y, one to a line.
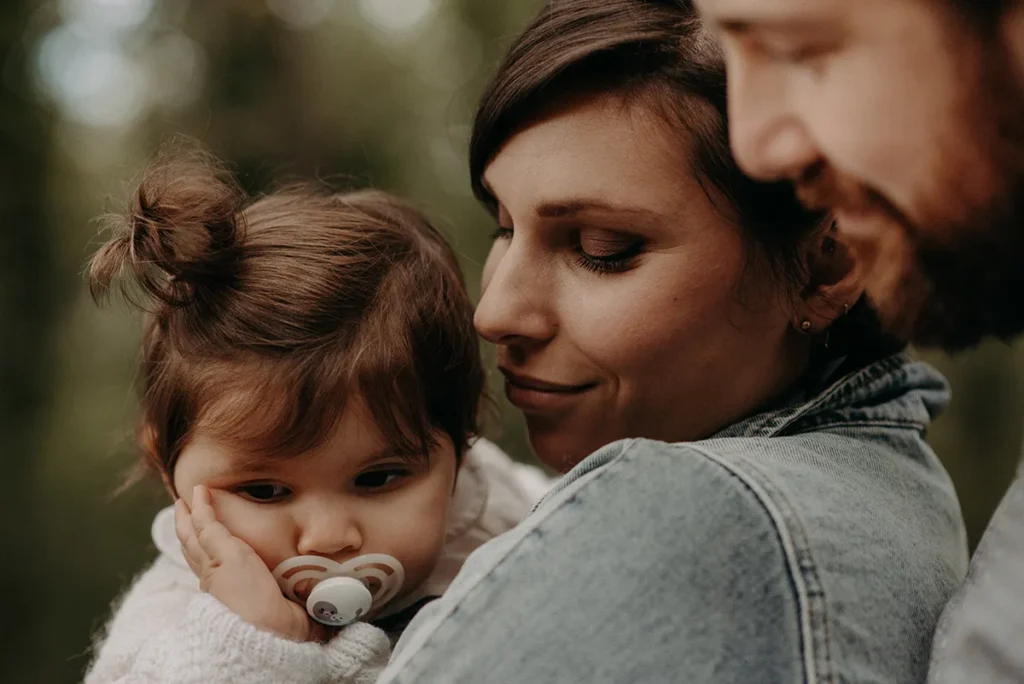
575	207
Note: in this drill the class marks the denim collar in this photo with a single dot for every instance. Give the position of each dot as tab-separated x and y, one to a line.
896	390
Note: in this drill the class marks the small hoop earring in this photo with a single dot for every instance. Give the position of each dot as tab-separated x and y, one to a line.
805	326
846	309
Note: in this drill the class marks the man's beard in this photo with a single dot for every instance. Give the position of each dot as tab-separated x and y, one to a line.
957	274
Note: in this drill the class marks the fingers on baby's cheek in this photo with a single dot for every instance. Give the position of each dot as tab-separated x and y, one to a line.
182	521
201	496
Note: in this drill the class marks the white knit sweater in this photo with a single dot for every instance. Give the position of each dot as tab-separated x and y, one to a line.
165	629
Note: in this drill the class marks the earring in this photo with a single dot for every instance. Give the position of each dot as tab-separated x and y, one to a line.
805	326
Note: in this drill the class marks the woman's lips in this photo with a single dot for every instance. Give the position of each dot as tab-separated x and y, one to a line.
534	395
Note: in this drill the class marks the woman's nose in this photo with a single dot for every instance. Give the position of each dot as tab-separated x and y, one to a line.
328	531
769	141
516	304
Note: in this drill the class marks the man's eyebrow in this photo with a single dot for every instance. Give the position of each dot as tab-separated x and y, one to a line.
736	27
742	25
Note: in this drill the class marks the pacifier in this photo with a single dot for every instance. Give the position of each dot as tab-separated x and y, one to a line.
341	593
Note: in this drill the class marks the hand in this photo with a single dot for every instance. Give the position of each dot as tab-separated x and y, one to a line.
229	570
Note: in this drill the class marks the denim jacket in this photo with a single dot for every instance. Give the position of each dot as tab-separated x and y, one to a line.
816	542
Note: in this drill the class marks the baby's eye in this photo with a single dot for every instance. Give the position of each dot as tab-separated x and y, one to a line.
263	492
379	479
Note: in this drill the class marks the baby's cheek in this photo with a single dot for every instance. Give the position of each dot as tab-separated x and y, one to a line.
256	525
417	541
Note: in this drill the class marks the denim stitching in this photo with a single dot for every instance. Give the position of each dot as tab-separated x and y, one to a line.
818	665
807	567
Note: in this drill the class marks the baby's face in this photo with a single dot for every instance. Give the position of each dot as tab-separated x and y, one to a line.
350	496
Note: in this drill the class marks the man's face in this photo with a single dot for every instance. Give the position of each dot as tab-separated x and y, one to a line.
907	122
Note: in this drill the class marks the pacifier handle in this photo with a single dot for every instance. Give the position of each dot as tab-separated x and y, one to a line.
339	601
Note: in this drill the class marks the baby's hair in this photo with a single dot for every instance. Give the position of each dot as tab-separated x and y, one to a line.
263	316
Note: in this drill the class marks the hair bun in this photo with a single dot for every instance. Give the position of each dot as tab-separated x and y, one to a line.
178	242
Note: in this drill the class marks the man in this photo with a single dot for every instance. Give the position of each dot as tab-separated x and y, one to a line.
906	118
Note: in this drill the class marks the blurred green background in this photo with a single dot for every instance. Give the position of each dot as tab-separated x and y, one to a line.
375	91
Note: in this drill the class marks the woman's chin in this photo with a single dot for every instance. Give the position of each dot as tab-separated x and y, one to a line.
560	450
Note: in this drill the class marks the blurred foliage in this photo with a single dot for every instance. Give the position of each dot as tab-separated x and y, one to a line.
362	92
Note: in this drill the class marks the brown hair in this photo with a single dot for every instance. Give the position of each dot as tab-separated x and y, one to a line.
263	316
656	54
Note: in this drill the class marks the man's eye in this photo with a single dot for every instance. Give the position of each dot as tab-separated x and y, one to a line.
263	492
379	479
795	54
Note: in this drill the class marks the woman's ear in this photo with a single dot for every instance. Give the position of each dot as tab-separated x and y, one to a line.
834	281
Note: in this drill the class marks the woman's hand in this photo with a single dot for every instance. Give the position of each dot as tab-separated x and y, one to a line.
229	570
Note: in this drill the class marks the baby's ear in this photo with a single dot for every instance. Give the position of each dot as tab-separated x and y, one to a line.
834	279
145	440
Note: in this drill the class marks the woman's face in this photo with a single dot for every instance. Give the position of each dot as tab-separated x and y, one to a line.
619	297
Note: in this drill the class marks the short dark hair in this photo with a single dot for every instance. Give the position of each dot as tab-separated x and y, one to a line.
264	315
658	54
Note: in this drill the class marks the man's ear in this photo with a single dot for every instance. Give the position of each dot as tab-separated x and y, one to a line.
834	282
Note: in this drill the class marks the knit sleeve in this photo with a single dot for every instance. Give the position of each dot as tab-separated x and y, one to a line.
166	632
156	600
212	645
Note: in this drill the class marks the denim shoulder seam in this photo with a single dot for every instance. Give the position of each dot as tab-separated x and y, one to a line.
803	573
909	425
530	523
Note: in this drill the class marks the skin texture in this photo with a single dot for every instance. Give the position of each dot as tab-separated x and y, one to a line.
908	123
614	277
348	497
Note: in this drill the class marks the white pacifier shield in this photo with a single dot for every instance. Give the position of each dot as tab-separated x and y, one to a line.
341	594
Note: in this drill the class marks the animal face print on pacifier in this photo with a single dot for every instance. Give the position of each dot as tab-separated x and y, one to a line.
338	594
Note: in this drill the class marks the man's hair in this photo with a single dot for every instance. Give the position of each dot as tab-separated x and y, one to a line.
984	14
264	316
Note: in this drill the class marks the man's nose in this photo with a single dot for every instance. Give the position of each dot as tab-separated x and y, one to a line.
769	141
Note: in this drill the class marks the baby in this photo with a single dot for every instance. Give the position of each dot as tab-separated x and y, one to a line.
310	384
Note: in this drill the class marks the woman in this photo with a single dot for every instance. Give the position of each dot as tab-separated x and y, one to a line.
789	524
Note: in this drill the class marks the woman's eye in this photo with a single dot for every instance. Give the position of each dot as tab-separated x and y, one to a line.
501	233
263	492
379	479
608	252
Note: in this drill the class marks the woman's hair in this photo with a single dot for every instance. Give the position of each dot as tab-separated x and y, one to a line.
264	316
655	54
